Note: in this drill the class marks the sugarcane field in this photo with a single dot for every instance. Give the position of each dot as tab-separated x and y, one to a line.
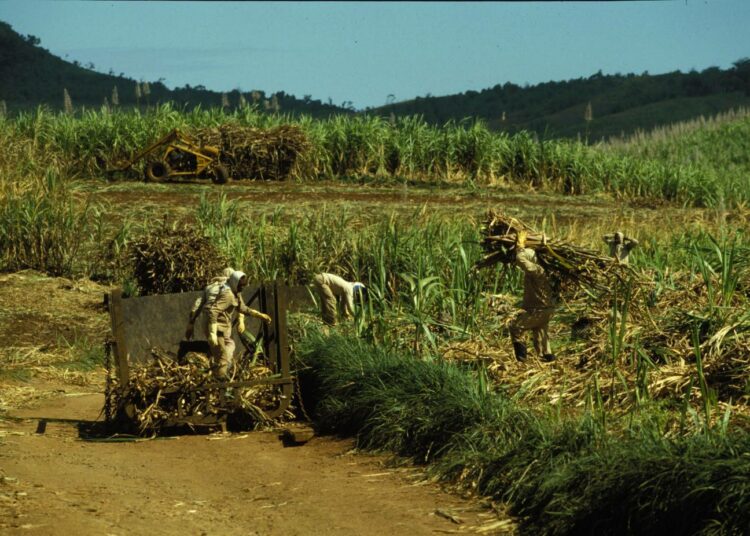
359	325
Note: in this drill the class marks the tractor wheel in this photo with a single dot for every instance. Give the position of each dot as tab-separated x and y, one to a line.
157	171
220	174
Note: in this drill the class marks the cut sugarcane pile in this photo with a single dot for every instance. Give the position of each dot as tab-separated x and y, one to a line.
166	391
255	153
564	262
174	259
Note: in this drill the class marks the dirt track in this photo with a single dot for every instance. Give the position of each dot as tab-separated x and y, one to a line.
56	483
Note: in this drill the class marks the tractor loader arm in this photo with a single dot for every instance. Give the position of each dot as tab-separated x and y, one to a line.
171	136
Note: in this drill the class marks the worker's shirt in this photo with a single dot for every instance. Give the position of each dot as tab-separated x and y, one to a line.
209	295
222	311
341	288
621	250
537	291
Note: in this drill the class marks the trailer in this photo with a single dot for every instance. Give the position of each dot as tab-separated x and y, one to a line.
141	324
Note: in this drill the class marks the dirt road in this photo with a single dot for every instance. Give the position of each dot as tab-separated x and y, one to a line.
55	483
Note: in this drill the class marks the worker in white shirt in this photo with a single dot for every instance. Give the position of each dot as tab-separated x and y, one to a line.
336	292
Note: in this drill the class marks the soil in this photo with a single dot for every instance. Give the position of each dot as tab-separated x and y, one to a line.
177	196
178	200
56	478
55	482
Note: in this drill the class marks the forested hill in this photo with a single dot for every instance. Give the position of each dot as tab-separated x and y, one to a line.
30	75
594	107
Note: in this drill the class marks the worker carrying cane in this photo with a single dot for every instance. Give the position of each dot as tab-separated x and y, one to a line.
537	306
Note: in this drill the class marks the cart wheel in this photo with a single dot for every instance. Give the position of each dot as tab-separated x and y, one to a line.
157	171
220	174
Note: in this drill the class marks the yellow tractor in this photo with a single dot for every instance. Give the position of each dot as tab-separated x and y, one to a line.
178	155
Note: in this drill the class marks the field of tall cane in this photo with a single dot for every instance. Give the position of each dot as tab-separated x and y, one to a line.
408	149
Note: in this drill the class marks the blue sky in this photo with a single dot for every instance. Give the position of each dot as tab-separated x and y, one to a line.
364	51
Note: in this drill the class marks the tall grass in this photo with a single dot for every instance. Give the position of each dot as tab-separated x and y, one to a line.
44	228
717	148
410	149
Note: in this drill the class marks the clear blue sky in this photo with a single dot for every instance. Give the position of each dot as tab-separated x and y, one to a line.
362	52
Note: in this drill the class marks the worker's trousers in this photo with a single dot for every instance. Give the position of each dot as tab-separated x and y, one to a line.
537	321
223	355
328	302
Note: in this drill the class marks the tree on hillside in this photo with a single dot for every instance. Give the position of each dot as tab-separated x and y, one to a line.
67	102
146	89
741	73
588	113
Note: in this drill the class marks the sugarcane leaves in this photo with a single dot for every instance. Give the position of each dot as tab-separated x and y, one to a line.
423	295
719	260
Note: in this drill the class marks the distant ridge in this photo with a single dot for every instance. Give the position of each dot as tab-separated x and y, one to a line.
596	107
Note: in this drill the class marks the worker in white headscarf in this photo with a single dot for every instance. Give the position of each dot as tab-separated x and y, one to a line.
220	319
335	293
204	301
620	246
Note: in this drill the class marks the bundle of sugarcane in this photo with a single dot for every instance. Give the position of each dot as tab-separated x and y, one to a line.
254	153
174	259
167	390
566	263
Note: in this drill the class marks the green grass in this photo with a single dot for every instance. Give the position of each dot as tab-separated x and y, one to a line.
408	149
86	355
560	475
44	228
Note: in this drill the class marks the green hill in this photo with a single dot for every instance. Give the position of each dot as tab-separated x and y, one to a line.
616	104
30	75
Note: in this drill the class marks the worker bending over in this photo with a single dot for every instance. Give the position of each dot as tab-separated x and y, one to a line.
336	292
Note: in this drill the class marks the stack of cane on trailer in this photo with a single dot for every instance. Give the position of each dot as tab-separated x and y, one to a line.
263	154
157	379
